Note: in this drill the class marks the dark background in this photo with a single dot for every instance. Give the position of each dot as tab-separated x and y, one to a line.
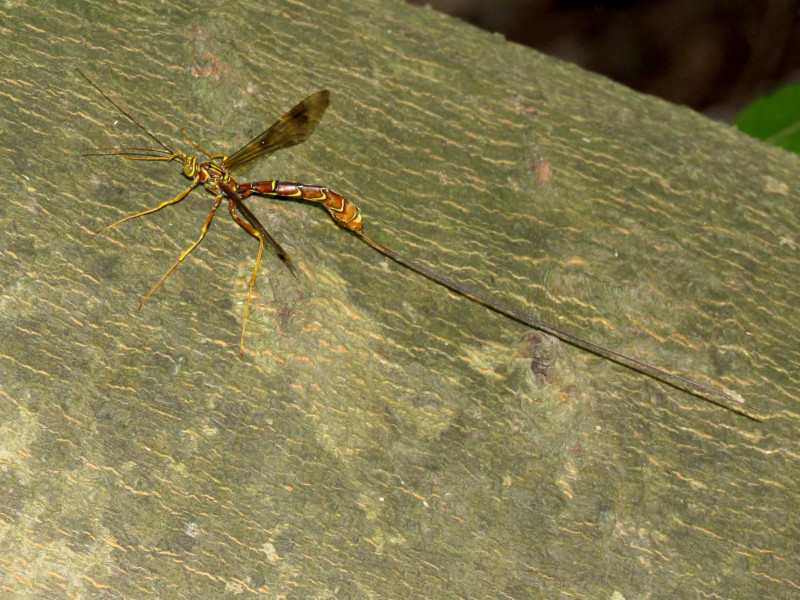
713	55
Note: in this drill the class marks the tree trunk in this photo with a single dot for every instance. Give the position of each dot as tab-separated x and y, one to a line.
383	437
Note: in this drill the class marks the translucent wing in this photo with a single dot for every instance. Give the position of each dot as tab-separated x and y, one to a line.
292	128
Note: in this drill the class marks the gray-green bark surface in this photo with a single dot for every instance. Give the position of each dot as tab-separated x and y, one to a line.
384	438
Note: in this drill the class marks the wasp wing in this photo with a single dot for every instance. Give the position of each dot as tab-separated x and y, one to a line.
292	128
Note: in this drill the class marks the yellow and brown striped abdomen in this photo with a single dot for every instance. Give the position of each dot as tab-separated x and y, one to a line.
344	212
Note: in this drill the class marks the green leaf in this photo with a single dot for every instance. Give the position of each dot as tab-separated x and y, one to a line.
774	118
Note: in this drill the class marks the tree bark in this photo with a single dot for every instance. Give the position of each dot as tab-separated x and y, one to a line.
383	437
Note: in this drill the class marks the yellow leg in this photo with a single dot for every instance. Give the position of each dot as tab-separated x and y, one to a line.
203	232
177	198
249	229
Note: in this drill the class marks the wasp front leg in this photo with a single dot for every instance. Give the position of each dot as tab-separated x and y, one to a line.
149	211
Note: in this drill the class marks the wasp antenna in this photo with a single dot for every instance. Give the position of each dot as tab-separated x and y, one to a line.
126	113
